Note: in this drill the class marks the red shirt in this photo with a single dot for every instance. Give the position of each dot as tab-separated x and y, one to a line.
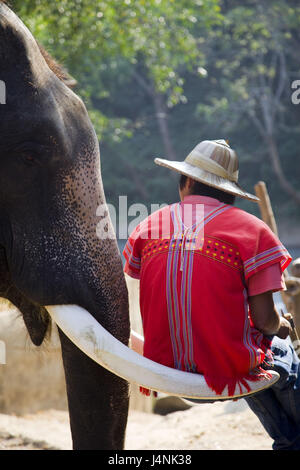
194	261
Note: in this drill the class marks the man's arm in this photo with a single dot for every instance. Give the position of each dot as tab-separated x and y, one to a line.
265	316
137	342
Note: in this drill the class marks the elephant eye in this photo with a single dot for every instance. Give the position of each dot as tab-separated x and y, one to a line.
28	158
33	153
30	152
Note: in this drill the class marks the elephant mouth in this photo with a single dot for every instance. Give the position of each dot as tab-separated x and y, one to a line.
35	316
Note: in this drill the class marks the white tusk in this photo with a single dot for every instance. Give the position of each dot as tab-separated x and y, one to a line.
97	343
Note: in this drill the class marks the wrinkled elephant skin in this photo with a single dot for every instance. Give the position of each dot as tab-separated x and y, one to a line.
50	188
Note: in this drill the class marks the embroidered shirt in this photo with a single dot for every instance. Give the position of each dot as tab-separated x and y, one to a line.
194	261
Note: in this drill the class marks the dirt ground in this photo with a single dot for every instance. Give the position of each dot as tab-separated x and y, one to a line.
218	426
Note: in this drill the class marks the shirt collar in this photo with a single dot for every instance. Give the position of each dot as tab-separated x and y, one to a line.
196	199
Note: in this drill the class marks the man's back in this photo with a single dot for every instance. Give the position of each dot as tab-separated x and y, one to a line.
194	280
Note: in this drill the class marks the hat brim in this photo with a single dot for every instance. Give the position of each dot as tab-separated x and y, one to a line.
207	178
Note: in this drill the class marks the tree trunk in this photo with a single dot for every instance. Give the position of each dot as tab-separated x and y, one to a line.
162	120
161	115
275	160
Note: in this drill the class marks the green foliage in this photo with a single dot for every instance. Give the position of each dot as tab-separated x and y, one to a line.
84	34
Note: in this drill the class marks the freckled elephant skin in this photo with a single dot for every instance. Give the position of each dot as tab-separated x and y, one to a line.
50	188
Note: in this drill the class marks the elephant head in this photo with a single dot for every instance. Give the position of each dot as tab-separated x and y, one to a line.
50	253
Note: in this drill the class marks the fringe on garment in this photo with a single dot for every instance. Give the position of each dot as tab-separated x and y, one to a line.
147	392
217	384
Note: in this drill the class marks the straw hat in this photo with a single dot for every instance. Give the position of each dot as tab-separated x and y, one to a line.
212	162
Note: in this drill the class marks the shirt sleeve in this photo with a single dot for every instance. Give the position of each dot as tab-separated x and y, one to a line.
269	279
263	250
132	255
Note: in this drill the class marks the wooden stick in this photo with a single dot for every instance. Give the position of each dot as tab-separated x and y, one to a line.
266	210
267	216
265	206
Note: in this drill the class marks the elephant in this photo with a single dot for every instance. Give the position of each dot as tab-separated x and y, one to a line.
50	251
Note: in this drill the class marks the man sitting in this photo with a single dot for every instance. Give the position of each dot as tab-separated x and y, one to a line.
207	273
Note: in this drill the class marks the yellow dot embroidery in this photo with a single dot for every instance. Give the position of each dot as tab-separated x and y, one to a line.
229	260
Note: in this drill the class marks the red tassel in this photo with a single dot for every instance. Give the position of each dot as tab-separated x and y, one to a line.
147	392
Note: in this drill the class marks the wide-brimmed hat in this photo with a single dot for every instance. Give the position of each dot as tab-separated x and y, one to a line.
212	162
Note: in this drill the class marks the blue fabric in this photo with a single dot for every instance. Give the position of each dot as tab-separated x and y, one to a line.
278	408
